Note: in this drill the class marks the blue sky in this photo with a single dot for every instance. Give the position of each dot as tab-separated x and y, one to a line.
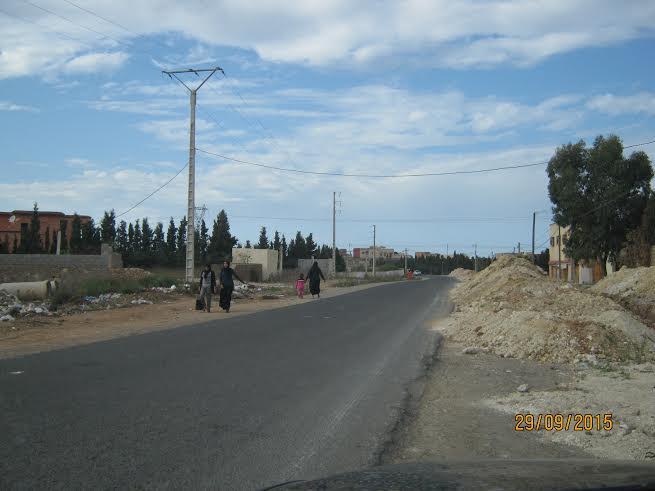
89	123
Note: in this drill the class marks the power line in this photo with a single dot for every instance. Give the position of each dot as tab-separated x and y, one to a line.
393	176
393	220
59	33
154	192
343	174
75	23
101	17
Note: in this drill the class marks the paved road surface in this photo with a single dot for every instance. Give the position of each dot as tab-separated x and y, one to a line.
298	392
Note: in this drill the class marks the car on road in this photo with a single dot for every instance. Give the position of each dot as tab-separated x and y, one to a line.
417	273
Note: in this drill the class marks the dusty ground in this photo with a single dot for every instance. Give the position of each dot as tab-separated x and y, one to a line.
452	421
40	333
578	350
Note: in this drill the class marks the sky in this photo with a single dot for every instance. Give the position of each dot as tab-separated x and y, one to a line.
90	123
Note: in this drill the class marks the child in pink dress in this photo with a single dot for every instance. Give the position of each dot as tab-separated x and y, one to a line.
300	285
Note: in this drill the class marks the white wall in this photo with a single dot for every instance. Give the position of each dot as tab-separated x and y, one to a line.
268	258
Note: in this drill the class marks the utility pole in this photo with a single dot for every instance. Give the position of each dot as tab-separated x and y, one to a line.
191	203
374	252
534	218
405	260
334	233
475	246
519	248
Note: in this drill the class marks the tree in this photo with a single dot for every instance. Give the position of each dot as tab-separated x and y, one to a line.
300	249
108	227
284	246
130	239
310	246
32	243
63	228
121	240
76	234
180	245
277	245
221	241
159	242
53	243
171	234
146	236
248	245
203	240
46	244
263	239
138	237
340	262
90	237
600	194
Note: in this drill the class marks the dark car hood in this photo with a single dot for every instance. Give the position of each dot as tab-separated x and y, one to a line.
508	475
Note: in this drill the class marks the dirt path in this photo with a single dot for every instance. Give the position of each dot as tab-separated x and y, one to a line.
451	420
38	334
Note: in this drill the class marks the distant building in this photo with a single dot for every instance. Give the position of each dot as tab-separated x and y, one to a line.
381	252
14	224
344	253
586	271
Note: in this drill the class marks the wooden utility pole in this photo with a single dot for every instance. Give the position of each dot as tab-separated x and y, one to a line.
534	218
475	246
374	251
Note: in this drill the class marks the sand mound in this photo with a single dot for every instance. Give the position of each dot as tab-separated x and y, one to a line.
514	310
462	274
634	288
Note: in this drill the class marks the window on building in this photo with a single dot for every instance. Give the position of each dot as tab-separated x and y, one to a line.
552	242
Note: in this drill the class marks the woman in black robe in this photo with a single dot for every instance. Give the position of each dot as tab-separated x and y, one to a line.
227	285
314	276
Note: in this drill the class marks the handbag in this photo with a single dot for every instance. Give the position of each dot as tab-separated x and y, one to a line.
200	303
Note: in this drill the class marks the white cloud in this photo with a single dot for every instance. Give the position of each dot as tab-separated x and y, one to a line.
95	62
614	105
11	107
466	33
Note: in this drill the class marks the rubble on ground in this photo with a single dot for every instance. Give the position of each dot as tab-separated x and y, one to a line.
130	273
625	392
11	307
462	274
634	288
514	310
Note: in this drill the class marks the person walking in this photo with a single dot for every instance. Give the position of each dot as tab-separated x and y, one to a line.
300	286
314	276
207	287
227	285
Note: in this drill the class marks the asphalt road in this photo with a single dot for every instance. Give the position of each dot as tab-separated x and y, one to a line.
240	403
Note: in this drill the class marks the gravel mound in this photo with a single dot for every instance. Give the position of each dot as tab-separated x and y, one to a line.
634	288
513	309
462	274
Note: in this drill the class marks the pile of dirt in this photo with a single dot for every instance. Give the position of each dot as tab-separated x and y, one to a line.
634	288
513	309
462	274
130	273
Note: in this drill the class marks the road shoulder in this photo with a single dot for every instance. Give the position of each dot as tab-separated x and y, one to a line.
451	419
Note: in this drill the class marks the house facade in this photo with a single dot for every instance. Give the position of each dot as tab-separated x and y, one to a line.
14	225
560	266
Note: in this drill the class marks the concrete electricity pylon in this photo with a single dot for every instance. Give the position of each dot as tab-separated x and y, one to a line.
191	206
